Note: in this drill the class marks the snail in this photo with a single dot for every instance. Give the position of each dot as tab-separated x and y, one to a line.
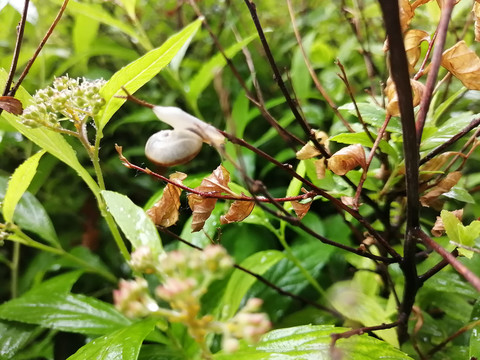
180	145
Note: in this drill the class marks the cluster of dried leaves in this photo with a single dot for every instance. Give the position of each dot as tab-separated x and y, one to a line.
202	201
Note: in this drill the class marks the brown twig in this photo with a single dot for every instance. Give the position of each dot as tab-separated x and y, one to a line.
434	66
456	334
16	51
39	48
261	278
345	335
421	70
313	75
457	265
435	269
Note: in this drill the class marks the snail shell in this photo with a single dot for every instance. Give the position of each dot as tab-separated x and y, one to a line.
173	147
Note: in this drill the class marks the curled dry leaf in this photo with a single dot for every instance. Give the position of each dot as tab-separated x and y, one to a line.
439	228
476	16
11	105
165	211
427	170
406	14
391	92
202	207
301	209
309	150
417	3
238	211
413	39
464	64
347	159
431	198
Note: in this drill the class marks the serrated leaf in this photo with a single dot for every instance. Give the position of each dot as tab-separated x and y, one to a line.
240	282
135	224
122	344
64	311
313	342
19	183
30	215
136	74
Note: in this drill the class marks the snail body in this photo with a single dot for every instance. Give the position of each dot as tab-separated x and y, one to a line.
180	145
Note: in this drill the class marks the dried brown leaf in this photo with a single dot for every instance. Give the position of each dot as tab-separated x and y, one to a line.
216	183
165	211
202	209
417	3
413	39
431	198
439	228
301	209
309	150
406	14
464	64
238	211
11	105
435	164
319	168
347	159
476	17
391	92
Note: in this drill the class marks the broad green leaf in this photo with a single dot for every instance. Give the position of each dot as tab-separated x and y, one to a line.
459	233
363	139
451	224
136	74
18	184
85	31
135	224
129	6
64	311
200	81
48	140
301	79
447	130
286	275
122	344
13	337
314	342
58	284
460	194
30	215
374	115
240	281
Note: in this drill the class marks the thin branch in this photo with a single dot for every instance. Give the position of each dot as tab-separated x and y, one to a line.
39	48
473	124
345	335
16	51
457	265
447	8
261	278
435	269
313	75
421	70
278	78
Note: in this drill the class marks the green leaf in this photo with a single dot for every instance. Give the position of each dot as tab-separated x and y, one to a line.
136	74
98	13
459	233
475	335
64	311
13	337
373	115
30	215
121	344
200	81
460	194
135	224
58	284
451	224
129	6
313	342
18	184
363	139
240	282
